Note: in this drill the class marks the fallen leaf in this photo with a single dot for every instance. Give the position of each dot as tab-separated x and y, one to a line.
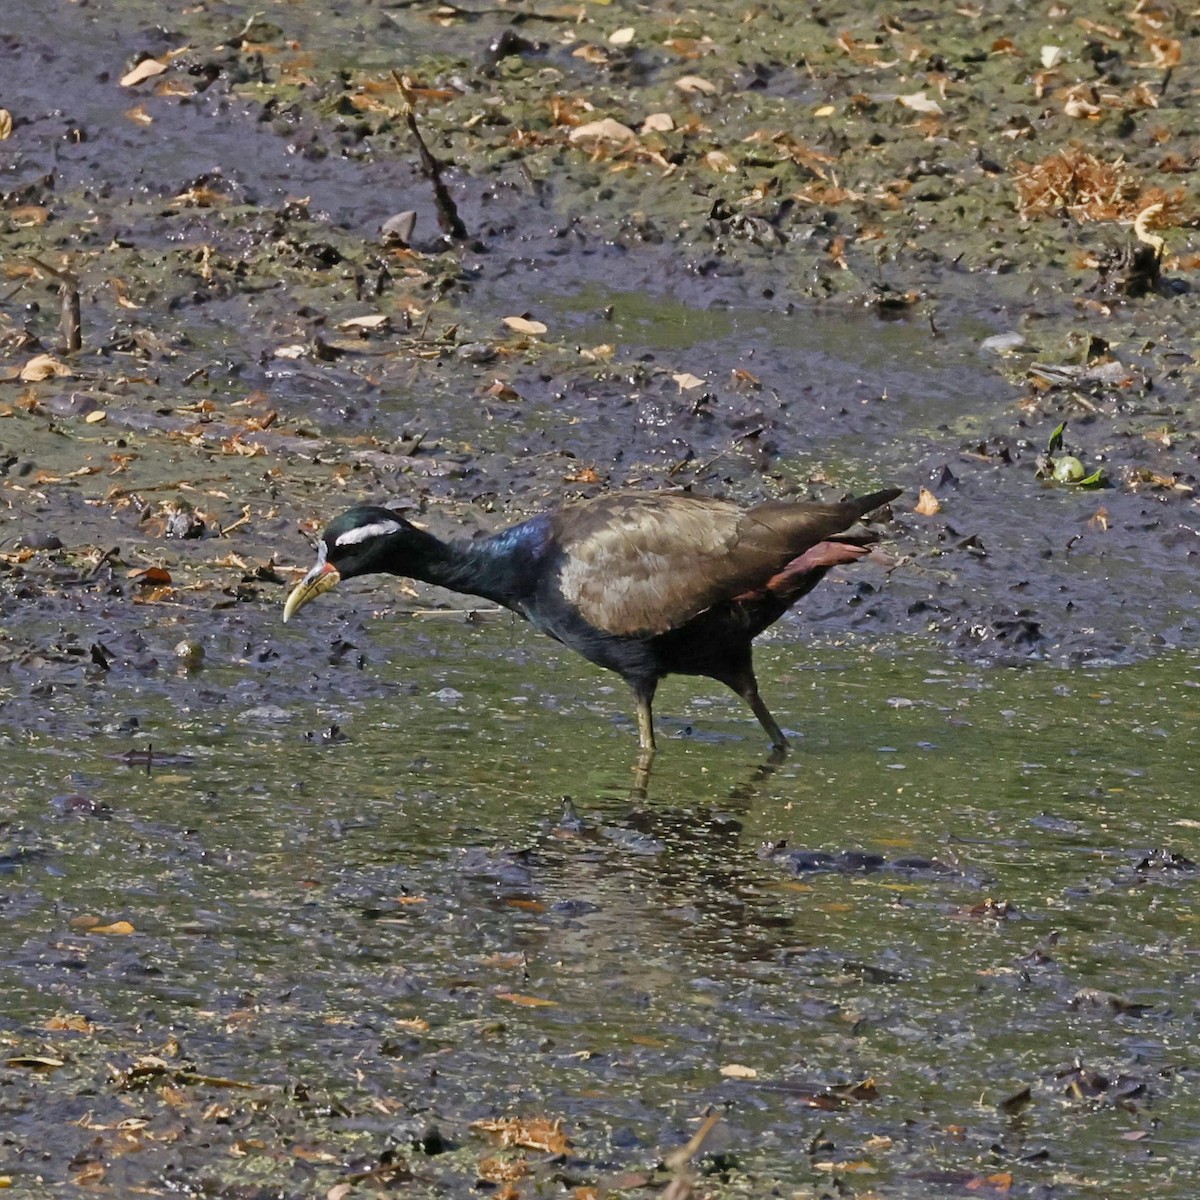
621	37
737	1071
503	1170
526	1001
921	103
69	1023
659	122
927	504
691	84
44	366
150	576
605	130
534	1133
525	325
368	321
146	69
687	381
6	124
116	929
593	54
95	416
718	160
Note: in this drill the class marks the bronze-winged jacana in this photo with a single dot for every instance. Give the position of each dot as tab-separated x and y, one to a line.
646	584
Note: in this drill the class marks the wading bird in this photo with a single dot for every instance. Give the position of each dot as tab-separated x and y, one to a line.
646	584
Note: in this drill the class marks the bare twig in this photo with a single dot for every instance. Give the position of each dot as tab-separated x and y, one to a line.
447	211
70	321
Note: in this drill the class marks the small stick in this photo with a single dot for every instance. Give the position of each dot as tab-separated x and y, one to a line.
70	322
447	212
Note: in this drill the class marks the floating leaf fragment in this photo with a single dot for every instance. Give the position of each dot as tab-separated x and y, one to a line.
116	929
526	1001
927	504
718	160
534	1133
367	321
693	84
146	69
919	102
738	1071
525	325
45	366
659	122
605	130
687	381
6	124
34	1060
622	37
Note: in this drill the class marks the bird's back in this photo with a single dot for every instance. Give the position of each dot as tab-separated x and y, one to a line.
643	563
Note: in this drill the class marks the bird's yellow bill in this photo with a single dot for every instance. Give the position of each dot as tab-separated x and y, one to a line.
320	579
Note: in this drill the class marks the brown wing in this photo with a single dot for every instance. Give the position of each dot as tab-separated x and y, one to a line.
640	563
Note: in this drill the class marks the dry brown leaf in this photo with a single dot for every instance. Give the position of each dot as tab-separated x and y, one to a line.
534	1133
1165	53
526	1001
687	381
692	84
1076	106
738	1071
718	160
116	929
927	504
6	124
69	1023
149	576
413	1024
605	130
368	321
27	215
525	325
659	122
95	416
138	115
622	37
44	366
34	1060
503	1170
596	55
146	69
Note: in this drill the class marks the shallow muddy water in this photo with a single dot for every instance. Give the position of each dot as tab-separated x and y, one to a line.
1026	920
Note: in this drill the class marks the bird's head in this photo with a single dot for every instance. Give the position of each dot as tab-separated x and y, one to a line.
361	541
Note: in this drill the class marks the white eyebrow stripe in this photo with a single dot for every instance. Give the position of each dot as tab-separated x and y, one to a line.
365	532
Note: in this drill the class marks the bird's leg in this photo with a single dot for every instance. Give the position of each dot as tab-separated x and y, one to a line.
778	741
643	695
641	777
746	686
